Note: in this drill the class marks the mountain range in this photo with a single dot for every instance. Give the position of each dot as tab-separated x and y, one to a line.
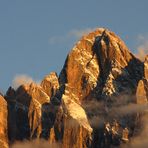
99	100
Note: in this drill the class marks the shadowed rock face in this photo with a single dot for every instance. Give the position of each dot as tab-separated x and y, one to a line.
3	123
89	105
30	113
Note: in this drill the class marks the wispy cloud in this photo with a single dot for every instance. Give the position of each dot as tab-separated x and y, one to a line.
128	109
22	79
142	49
74	33
98	112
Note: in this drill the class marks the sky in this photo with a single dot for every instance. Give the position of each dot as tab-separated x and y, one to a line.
36	35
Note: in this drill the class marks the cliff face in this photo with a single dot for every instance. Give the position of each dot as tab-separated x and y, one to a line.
91	103
3	123
76	125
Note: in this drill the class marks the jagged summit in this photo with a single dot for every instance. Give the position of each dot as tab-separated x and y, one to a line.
50	84
100	60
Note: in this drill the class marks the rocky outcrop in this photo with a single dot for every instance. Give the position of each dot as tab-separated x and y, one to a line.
76	125
50	84
3	123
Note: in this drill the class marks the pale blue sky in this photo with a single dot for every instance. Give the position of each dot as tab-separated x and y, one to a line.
36	35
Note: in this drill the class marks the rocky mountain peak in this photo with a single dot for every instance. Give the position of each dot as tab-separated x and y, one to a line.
100	61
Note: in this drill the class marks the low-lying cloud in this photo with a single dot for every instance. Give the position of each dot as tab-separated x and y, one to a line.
36	144
129	109
141	140
99	112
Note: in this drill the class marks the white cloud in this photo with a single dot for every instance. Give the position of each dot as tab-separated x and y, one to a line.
142	49
74	33
22	79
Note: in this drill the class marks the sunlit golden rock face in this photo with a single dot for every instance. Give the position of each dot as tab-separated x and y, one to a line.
88	103
3	123
76	125
100	61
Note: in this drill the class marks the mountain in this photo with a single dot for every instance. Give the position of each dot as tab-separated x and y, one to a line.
98	99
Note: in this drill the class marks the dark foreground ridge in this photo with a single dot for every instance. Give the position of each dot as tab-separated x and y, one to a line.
99	100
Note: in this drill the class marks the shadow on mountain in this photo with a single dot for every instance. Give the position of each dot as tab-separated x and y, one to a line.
18	122
126	83
24	120
47	120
